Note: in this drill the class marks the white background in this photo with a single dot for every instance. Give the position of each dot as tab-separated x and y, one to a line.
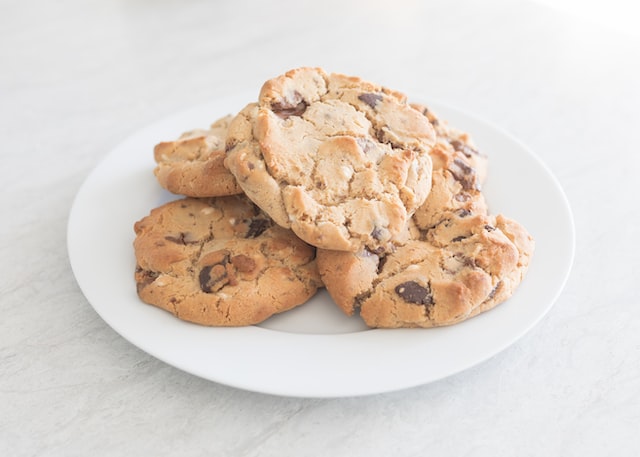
76	78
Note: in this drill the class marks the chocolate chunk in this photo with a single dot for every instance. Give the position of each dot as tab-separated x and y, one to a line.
464	174
489	228
464	260
463	148
377	233
230	144
459	238
412	292
378	251
287	108
370	99
285	112
381	264
257	227
359	300
421	109
182	238
494	290
209	284
215	277
466	168
145	277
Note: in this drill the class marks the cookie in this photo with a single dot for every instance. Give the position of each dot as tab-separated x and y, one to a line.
465	265
458	173
221	262
454	262
460	142
342	162
193	165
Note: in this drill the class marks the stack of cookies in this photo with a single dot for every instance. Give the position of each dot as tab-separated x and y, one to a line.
327	181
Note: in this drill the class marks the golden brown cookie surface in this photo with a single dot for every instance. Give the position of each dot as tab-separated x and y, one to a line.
455	260
464	266
343	162
221	262
193	165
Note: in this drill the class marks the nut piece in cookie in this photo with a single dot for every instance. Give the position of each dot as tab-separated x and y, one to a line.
221	262
193	165
342	162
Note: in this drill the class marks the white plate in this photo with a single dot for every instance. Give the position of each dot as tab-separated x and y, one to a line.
314	350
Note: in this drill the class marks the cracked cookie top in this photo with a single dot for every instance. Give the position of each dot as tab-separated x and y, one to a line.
455	260
221	262
465	265
342	162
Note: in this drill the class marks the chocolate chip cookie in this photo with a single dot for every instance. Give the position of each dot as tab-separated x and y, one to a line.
459	170
455	260
342	162
221	262
465	265
193	165
449	137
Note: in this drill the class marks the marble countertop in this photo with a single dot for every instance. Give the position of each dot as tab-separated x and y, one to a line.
78	77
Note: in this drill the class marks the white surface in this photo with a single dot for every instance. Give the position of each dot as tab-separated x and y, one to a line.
309	352
77	78
616	15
